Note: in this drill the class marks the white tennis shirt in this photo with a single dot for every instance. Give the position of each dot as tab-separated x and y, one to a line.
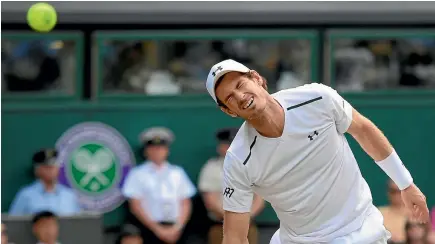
309	174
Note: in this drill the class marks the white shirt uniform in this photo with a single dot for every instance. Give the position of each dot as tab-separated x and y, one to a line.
159	190
309	174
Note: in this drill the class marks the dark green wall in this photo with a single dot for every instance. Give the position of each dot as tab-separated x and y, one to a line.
407	120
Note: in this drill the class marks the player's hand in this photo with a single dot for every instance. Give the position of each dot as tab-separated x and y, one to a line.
415	202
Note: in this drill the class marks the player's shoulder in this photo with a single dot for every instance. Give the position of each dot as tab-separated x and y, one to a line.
306	94
302	92
240	147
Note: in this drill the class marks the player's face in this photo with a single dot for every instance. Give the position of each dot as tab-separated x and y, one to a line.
242	95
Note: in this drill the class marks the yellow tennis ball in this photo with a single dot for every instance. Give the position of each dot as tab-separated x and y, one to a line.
42	17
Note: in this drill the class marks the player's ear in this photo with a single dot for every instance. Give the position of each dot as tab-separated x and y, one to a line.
228	111
257	77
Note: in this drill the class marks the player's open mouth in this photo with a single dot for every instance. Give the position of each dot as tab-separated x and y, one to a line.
249	103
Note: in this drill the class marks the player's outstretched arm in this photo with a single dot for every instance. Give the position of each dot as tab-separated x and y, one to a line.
376	145
236	227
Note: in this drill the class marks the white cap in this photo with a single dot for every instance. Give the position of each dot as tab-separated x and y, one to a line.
218	70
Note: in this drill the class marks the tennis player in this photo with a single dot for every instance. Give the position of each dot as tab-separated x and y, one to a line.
292	151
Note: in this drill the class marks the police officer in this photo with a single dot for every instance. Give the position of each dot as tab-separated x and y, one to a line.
45	194
159	192
210	186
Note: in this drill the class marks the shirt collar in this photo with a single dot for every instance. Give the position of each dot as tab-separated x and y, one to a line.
165	165
40	185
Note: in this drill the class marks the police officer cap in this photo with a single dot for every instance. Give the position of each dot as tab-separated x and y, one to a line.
46	156
157	136
226	135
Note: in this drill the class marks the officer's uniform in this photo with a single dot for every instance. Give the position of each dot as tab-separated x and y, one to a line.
159	188
211	180
34	198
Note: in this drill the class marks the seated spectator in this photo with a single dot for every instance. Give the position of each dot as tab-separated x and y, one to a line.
433	218
395	214
159	192
31	66
45	228
210	185
130	235
416	233
4	235
45	194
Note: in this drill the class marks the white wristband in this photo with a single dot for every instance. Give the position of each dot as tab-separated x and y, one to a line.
395	169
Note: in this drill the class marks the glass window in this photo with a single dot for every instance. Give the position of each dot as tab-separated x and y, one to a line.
381	60
39	64
167	67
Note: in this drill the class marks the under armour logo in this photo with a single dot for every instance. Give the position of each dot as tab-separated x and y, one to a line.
315	133
217	69
228	192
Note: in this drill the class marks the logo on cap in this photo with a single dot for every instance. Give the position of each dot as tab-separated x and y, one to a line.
216	70
95	159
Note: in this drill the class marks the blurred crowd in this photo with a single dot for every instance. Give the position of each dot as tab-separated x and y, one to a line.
160	199
170	67
35	65
383	64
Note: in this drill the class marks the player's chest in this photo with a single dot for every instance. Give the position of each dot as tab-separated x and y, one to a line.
295	155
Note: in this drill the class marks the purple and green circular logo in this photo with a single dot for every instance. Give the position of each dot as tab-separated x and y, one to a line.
94	160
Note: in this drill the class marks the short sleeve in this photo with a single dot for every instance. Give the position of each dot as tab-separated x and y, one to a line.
19	204
187	189
210	180
131	188
338	108
76	204
237	191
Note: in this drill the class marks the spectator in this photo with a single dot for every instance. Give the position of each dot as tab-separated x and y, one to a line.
433	218
395	214
45	194
416	233
31	66
418	67
210	185
159	193
4	235
45	227
130	235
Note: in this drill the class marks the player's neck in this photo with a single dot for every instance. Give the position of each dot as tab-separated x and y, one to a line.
271	121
